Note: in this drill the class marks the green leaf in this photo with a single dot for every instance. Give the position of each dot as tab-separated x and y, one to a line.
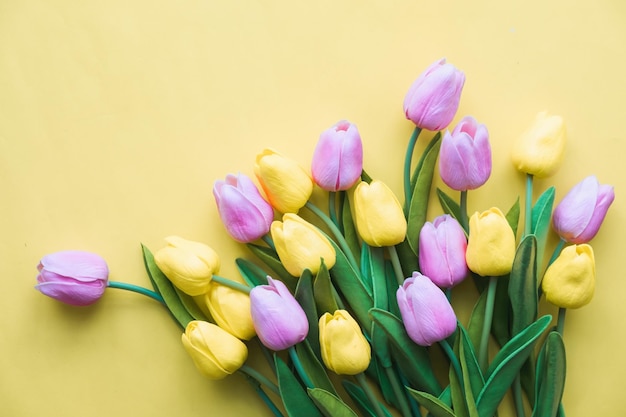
448	205
323	291
433	404
313	367
191	306
330	404
251	273
348	228
304	296
295	399
408	259
512	216
422	178
523	285
541	217
459	403
506	365
270	258
476	320
473	379
166	289
361	400
501	328
551	368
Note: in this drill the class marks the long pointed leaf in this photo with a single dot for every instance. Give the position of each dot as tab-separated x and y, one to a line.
523	284
304	296
448	205
330	404
313	367
542	214
433	404
270	258
550	376
361	400
251	273
323	291
295	399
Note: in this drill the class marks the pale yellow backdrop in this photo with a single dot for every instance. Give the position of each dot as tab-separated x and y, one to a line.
116	117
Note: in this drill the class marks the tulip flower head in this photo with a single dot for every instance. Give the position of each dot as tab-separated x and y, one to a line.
442	246
433	99
215	352
578	217
491	244
279	320
230	309
465	156
345	351
426	313
569	282
285	183
338	158
188	265
244	212
73	277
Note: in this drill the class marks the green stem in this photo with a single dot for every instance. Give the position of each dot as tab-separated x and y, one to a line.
370	394
400	393
528	216
137	289
463	207
397	266
231	284
483	353
454	361
408	157
259	377
299	368
332	207
270	404
268	240
557	251
517	397
560	323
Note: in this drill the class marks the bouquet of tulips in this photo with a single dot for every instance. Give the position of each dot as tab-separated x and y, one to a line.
350	302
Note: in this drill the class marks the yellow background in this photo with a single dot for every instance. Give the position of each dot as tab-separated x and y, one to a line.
116	117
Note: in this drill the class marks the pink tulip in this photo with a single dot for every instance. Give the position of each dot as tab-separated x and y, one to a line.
578	217
426	312
465	156
246	215
278	319
73	277
338	157
442	246
433	99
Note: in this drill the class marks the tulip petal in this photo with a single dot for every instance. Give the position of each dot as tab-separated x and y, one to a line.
82	266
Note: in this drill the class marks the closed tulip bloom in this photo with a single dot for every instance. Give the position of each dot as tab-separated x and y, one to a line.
378	214
491	244
578	217
442	246
300	245
433	99
188	265
426	312
279	321
345	351
570	280
215	352
338	158
230	309
465	156
246	215
73	277
539	150
285	183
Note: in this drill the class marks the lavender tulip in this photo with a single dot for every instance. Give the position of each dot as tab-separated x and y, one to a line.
442	246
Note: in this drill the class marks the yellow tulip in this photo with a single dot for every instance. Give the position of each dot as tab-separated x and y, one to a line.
378	214
345	350
215	352
491	243
300	245
230	309
189	265
286	184
570	280
539	150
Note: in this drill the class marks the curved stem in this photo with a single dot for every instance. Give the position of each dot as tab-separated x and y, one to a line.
560	323
528	216
231	284
137	289
408	157
400	393
260	378
268	240
517	397
454	361
332	207
397	266
483	353
299	368
463	207
270	404
370	394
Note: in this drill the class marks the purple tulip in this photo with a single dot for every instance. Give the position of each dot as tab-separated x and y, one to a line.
442	246
579	215
278	319
465	156
426	312
433	99
73	277
246	215
338	157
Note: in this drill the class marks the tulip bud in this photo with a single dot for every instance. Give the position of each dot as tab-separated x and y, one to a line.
465	156
539	150
491	244
378	215
300	245
338	158
246	215
578	217
285	183
570	280
345	350
215	352
189	265
426	312
73	277
278	319
442	246
230	309
433	99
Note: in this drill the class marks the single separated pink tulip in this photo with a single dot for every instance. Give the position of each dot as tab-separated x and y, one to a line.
426	312
442	246
578	217
73	277
465	156
246	215
433	99
278	319
338	158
